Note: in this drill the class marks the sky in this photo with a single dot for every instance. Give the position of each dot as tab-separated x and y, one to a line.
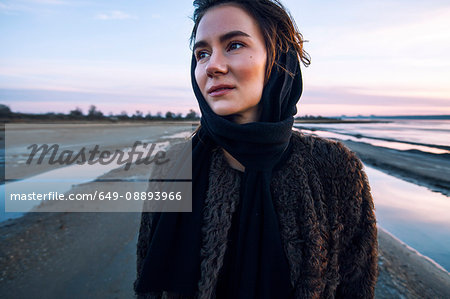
368	57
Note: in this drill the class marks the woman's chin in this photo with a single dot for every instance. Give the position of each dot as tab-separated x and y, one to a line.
223	111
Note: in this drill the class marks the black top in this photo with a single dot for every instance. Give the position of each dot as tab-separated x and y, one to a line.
224	287
224	283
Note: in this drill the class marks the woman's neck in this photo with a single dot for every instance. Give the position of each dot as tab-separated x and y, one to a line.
233	162
251	115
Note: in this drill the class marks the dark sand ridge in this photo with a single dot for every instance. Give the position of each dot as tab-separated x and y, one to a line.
92	255
425	169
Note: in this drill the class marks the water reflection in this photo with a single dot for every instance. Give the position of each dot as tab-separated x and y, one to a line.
414	214
389	144
424	135
423	131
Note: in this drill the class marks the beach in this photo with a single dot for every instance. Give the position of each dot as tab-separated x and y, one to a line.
92	255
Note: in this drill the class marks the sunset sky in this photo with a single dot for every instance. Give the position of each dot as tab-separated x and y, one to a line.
368	57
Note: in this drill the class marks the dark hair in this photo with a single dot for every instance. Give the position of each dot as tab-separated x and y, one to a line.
278	27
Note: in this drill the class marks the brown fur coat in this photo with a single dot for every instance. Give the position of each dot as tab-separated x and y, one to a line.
326	216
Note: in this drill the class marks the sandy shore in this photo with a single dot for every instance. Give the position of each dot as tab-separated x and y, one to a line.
92	255
406	274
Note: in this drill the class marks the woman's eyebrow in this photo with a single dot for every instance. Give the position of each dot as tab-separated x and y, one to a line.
222	38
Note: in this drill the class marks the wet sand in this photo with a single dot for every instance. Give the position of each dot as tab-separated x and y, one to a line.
403	273
92	255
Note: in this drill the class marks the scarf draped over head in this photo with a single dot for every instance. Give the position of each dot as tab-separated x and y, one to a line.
261	270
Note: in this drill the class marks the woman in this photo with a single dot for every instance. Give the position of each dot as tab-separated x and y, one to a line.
275	214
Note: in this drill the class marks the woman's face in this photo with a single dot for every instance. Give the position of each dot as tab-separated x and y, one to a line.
231	60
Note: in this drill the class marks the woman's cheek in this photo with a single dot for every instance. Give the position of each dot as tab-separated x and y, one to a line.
252	70
253	76
200	78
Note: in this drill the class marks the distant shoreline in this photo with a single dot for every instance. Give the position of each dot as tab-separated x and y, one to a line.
168	121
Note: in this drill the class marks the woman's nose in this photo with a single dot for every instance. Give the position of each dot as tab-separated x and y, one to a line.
217	64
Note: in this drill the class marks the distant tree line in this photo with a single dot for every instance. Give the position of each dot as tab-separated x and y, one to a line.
94	114
312	117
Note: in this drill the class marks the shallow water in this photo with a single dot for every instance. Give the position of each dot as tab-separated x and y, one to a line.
432	135
414	214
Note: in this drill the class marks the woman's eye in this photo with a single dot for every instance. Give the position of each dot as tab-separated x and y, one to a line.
235	45
201	54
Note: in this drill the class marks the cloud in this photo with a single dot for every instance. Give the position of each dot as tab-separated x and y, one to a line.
319	100
96	76
115	15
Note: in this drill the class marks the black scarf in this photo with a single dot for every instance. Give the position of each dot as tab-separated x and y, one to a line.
261	271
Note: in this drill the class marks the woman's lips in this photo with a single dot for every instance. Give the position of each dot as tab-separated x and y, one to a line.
221	91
